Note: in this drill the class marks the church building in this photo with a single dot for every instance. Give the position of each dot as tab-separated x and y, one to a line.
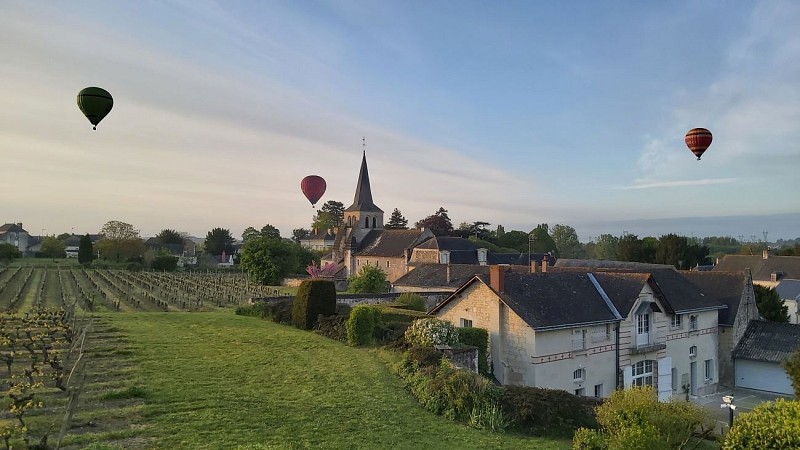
362	240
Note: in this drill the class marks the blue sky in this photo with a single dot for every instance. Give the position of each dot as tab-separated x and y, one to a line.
514	113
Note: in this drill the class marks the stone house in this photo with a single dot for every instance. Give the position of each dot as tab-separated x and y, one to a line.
767	270
14	234
319	239
593	332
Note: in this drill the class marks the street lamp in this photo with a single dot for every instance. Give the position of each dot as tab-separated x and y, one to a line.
728	403
531	239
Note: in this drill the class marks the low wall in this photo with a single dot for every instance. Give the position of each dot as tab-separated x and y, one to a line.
464	357
431	298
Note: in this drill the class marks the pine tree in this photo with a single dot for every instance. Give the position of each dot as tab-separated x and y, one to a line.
397	221
770	304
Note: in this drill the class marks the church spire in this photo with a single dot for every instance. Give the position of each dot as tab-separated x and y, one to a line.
363	198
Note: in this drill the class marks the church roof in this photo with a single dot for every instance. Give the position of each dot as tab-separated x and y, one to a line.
363	198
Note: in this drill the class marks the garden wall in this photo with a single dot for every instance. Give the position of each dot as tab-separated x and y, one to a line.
431	298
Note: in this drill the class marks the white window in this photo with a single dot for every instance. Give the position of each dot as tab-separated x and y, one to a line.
676	322
709	372
692	323
643	323
692	351
579	375
466	323
598	390
643	373
578	339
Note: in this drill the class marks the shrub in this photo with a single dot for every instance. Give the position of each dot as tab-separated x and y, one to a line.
771	425
370	280
635	419
333	327
431	331
545	411
393	314
477	337
279	311
413	301
362	324
314	298
164	263
792	366
424	356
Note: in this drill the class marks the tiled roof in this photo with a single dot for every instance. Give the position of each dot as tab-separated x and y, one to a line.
727	287
9	227
768	341
388	242
788	289
762	269
609	264
546	300
435	275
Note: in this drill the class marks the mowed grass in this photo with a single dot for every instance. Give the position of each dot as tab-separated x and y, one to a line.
219	381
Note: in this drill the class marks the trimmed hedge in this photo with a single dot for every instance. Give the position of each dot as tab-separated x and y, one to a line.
278	311
477	337
412	301
314	298
546	411
363	322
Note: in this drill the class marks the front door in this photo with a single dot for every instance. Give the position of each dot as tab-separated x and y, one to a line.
693	378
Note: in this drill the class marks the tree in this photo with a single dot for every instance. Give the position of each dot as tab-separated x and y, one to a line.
168	236
566	240
8	252
268	261
164	263
120	241
439	223
770	305
606	246
249	233
476	230
53	248
634	419
330	215
515	239
629	248
63	236
370	280
542	241
300	233
219	240
85	250
771	425
397	221
271	232
792	366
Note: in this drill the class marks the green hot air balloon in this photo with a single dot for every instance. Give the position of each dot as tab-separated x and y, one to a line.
95	103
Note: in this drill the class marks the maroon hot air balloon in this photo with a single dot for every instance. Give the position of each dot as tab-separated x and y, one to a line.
698	140
313	187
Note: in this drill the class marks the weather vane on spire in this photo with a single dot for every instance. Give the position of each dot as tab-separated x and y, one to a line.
364	144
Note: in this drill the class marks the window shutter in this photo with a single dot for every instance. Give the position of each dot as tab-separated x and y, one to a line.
664	378
627	376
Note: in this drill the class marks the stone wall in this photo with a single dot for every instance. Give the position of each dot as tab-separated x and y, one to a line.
464	357
431	298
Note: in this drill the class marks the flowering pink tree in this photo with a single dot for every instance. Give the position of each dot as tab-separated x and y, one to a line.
327	271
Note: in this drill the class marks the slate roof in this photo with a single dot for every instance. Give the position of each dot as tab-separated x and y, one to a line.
609	264
363	198
326	235
727	287
389	243
762	269
449	243
11	227
622	289
789	289
682	295
520	259
768	341
552	300
435	275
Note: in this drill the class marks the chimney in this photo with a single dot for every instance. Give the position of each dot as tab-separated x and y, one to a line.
482	253
545	259
764	254
19	224
534	265
497	277
448	273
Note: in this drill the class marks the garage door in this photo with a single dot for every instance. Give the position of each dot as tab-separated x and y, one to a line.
763	377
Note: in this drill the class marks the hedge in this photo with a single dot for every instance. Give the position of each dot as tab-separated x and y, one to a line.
314	298
362	324
278	311
477	337
546	411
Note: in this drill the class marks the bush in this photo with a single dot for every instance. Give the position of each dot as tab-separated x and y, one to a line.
370	280
792	366
771	425
412	301
545	411
164	263
424	356
431	331
393	314
477	337
332	327
361	325
279	311
314	298
635	419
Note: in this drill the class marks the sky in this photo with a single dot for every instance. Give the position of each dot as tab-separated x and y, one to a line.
513	113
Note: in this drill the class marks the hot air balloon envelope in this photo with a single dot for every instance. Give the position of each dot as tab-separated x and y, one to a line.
95	103
698	140
313	187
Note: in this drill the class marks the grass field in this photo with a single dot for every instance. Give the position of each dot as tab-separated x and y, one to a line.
216	380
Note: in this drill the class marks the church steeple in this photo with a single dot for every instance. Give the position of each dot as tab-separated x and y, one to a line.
363	198
363	214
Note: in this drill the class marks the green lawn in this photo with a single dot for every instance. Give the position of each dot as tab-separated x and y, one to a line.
219	381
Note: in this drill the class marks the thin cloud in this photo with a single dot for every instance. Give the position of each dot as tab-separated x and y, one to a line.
642	184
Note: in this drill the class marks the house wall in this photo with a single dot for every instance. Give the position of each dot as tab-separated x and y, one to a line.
393	267
726	372
17	239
